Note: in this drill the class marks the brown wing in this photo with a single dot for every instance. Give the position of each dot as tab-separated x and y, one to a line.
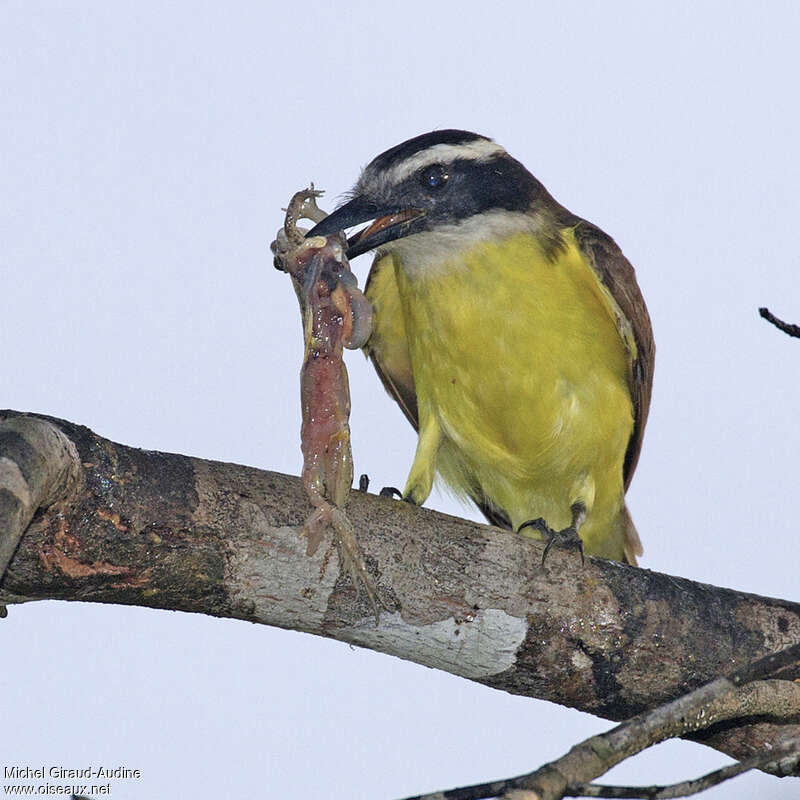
618	275
387	348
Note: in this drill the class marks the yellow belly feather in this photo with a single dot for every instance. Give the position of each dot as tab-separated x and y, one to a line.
521	377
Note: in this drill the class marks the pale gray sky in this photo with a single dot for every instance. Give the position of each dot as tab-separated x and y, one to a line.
146	151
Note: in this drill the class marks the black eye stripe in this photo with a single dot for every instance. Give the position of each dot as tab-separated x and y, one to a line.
472	186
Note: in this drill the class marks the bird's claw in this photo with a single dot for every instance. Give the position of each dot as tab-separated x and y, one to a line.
567	537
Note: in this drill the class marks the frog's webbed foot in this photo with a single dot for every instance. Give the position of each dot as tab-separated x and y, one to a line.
350	554
352	558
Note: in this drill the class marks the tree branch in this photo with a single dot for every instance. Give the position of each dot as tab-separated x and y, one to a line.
38	466
786	327
167	531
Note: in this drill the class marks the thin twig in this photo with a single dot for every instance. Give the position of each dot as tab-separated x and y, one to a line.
688	788
478	791
722	699
786	327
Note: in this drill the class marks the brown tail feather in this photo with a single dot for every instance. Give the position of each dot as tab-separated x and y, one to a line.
633	544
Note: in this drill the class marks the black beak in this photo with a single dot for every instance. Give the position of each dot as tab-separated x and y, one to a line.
389	223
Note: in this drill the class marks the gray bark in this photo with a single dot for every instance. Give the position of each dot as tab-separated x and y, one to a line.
123	525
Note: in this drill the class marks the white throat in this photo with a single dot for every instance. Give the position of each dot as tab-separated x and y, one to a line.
429	252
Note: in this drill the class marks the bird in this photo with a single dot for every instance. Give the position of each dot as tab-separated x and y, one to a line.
511	332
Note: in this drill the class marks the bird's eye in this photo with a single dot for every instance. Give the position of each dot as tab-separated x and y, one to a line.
433	177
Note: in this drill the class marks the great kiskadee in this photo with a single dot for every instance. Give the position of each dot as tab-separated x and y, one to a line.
511	333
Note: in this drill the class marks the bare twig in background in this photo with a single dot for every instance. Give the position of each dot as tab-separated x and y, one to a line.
786	327
691	787
731	697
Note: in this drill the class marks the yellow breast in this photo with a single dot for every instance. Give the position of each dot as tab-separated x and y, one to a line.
517	354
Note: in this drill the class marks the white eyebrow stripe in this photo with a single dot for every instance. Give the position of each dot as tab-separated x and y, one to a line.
479	150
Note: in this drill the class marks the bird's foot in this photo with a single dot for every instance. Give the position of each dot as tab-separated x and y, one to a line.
387	491
567	537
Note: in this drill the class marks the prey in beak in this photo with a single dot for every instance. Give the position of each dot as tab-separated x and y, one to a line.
386	224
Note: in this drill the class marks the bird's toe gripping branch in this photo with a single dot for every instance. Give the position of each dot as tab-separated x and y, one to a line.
567	537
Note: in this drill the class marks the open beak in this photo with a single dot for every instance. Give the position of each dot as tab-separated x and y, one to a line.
387	224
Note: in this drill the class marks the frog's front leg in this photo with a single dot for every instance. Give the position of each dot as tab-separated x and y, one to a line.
309	209
303	205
